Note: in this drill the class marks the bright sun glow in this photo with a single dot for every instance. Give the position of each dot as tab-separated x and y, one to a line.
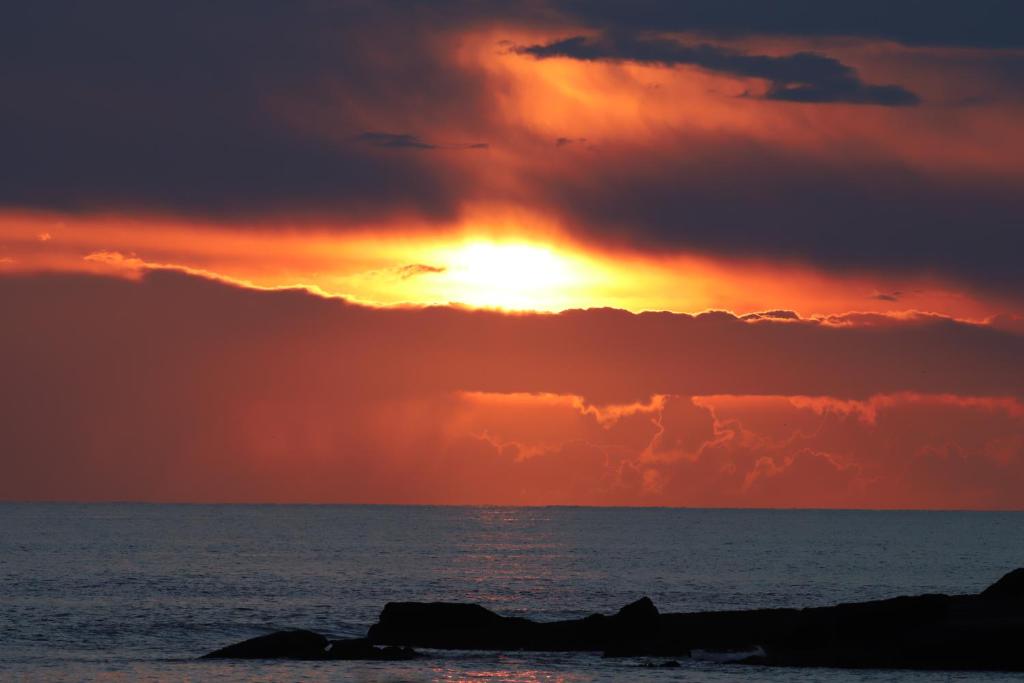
512	276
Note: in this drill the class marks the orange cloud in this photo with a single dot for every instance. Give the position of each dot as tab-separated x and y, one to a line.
502	259
173	387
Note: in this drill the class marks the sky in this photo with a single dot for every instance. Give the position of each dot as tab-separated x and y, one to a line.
704	253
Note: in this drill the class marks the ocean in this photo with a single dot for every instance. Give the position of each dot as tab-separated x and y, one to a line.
136	592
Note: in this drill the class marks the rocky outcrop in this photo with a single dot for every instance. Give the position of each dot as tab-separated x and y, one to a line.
921	632
459	626
280	645
969	632
362	648
1009	587
307	645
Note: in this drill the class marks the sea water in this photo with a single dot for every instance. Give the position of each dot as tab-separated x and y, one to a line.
136	592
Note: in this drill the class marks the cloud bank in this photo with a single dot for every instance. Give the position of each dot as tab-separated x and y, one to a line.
309	112
799	77
175	387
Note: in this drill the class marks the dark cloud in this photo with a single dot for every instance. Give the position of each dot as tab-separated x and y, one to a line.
414	269
799	77
196	107
408	141
724	194
396	140
985	23
888	296
772	315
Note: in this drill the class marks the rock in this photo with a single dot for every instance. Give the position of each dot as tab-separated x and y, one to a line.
941	632
634	630
363	649
445	625
281	645
472	627
308	645
641	612
726	631
1010	586
393	653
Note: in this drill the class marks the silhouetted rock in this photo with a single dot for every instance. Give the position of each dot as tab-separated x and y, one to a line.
310	646
922	632
280	645
471	627
1010	586
634	630
969	632
362	648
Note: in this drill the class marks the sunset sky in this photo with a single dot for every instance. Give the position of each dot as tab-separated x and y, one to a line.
689	253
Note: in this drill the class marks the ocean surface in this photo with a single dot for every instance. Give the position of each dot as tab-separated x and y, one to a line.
135	592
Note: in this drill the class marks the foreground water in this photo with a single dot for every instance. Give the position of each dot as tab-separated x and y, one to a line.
126	592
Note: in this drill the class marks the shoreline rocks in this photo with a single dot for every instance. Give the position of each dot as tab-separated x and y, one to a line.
941	632
310	646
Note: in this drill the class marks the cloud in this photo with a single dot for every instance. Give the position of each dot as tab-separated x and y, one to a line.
799	77
394	140
605	355
1013	322
184	107
174	387
772	315
407	141
986	24
845	211
306	113
414	269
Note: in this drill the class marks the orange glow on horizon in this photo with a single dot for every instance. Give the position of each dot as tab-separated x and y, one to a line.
512	276
493	259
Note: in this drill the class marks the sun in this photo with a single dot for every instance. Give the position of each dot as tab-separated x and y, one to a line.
511	274
514	276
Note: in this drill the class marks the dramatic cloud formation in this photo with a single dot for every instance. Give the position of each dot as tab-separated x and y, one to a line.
986	23
405	140
297	114
800	77
196	107
176	387
299	251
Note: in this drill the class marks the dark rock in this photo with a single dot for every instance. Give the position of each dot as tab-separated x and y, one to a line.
968	632
921	632
280	645
445	625
639	613
634	630
363	649
738	630
310	646
1010	586
471	627
947	632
